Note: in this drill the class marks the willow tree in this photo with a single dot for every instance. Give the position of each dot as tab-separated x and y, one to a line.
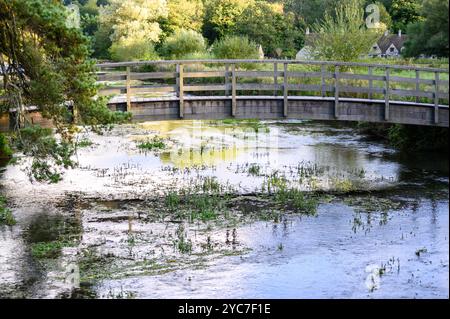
45	63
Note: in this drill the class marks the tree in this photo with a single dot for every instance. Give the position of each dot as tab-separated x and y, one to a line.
404	12
220	17
270	27
344	36
184	14
430	37
45	62
134	24
309	12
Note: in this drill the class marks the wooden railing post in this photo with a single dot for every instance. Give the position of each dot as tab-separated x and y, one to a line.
275	79
233	90
436	97
370	82
417	84
180	85
285	90
128	89
336	91
322	80
386	95
227	80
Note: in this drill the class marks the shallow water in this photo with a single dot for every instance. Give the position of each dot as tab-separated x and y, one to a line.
109	206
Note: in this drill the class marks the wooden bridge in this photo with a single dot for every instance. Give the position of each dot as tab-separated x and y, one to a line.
273	89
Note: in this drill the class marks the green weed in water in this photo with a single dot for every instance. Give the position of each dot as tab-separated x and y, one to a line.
6	216
48	249
254	170
156	143
84	143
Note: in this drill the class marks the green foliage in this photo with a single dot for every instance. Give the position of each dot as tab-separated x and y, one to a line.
5	149
404	12
430	36
84	143
220	17
309	12
413	138
172	201
344	36
156	143
101	41
267	25
290	196
182	43
133	51
254	170
183	245
48	155
46	249
133	27
183	14
6	216
235	47
409	138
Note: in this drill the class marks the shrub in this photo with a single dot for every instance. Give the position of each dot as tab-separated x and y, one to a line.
5	150
133	51
235	47
182	43
198	56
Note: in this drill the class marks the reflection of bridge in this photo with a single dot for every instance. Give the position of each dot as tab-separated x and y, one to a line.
271	89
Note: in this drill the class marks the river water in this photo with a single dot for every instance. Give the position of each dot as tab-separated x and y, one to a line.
380	229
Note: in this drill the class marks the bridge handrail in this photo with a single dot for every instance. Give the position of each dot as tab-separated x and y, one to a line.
270	61
333	78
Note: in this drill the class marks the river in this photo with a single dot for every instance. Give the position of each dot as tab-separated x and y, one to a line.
204	215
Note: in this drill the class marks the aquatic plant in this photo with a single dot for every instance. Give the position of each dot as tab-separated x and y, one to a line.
156	143
84	143
172	200
204	207
210	184
343	185
48	250
254	170
184	246
6	216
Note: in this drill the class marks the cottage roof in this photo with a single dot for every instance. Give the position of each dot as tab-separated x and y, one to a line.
398	40
387	40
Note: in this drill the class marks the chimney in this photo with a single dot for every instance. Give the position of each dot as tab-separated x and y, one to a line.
399	33
307	31
386	33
